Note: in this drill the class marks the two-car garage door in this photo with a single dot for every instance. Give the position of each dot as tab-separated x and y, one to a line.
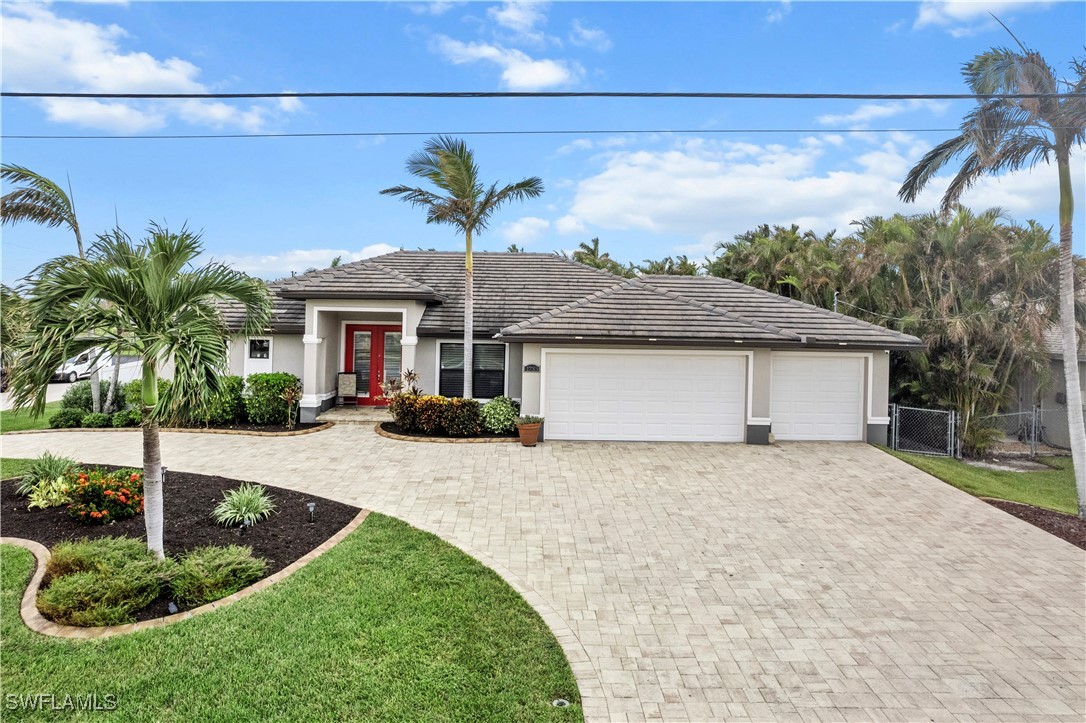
698	396
646	396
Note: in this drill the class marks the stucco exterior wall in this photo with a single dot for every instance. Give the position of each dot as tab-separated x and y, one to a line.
426	364
287	353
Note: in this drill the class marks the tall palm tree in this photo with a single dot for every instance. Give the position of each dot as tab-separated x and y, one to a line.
1006	134
467	204
39	200
146	298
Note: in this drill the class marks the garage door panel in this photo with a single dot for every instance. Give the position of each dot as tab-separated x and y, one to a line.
656	396
817	398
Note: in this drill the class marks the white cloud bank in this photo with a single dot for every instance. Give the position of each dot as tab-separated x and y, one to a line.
867	112
520	71
708	191
44	50
524	230
962	18
271	266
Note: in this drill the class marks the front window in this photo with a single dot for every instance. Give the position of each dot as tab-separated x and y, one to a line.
488	375
260	348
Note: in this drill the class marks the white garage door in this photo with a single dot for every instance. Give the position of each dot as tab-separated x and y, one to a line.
652	396
817	397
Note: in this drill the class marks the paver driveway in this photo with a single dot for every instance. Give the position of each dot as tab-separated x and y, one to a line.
798	582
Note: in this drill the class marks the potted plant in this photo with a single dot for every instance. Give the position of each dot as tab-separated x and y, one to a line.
528	429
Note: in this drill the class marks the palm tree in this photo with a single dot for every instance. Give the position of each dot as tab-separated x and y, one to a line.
144	298
39	200
678	266
1007	134
467	204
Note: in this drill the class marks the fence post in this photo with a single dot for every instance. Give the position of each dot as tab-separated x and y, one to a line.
893	426
950	434
1034	433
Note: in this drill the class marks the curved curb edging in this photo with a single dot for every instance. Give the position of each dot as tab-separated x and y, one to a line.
183	430
39	624
442	440
589	685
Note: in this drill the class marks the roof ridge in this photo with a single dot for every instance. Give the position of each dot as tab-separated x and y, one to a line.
565	308
734	316
796	302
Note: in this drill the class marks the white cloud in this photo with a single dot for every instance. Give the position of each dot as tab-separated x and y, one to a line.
521	17
961	18
524	230
434	8
44	50
519	70
585	36
862	116
569	224
712	190
298	260
778	13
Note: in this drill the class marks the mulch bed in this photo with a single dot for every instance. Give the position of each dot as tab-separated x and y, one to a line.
394	428
246	427
1064	526
189	498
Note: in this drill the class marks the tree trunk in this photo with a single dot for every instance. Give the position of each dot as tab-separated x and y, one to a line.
96	390
1075	424
111	397
152	463
469	321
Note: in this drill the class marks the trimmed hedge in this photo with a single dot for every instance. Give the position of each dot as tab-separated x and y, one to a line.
264	401
436	415
96	420
228	406
67	418
500	415
78	396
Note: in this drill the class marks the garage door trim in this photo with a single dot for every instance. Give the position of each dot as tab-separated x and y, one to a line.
749	355
868	367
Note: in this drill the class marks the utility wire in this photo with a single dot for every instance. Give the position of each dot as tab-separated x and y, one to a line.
550	94
359	134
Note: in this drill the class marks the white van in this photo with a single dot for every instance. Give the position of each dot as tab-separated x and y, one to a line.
80	367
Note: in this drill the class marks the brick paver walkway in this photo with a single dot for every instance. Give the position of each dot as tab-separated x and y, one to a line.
820	582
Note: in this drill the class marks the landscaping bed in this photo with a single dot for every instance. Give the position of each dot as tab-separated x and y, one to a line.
248	427
1065	527
393	428
189	499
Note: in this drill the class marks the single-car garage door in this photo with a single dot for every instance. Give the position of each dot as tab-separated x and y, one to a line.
652	396
817	397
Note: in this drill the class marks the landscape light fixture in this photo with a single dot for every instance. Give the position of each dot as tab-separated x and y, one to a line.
245	525
171	607
560	703
312	509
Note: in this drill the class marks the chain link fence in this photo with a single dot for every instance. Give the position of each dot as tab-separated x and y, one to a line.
923	431
1037	431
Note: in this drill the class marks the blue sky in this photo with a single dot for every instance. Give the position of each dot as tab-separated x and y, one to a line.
275	205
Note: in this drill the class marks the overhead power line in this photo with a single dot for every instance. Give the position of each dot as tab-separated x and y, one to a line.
559	132
540	94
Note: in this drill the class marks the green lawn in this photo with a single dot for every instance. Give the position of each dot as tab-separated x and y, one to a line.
12	467
1052	488
18	421
391	624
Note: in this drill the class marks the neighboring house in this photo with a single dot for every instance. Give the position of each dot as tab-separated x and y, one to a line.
1048	391
600	357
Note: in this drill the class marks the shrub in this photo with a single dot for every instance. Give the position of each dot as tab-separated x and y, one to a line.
66	418
90	598
429	414
207	574
264	402
78	396
96	420
500	415
133	392
529	419
404	411
50	493
228	406
460	417
246	503
43	468
103	555
127	418
99	497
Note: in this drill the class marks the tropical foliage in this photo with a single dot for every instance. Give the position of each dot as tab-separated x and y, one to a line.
1009	133
146	299
463	201
590	254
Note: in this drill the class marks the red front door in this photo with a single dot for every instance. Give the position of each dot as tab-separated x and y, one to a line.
372	352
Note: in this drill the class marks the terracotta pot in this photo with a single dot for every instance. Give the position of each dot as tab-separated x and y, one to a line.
529	434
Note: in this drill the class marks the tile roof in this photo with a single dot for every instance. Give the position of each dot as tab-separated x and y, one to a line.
637	310
546	297
1054	343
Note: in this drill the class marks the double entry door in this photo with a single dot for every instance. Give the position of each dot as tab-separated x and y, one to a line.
372	353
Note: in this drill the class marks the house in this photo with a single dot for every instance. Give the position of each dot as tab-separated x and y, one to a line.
1047	391
599	356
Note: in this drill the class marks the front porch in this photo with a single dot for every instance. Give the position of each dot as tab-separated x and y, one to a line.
354	415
